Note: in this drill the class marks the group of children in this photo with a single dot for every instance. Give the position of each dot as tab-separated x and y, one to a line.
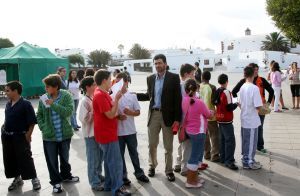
108	127
208	122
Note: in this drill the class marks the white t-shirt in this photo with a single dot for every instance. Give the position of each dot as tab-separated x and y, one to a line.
74	89
86	116
127	127
249	100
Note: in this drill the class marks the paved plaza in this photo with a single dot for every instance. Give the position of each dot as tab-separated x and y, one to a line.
280	174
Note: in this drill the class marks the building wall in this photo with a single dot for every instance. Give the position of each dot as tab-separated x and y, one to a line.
248	43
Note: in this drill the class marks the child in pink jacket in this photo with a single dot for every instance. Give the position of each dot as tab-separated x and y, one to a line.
276	80
195	122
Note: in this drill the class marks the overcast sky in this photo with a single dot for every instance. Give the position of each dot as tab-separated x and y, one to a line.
155	24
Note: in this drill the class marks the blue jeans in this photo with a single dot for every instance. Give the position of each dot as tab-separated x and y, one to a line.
52	150
73	117
94	156
196	157
227	141
260	141
131	142
113	166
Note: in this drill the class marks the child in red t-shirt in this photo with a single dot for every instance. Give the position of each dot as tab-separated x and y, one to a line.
106	133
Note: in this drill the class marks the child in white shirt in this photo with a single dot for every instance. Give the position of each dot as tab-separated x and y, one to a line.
129	108
94	153
250	102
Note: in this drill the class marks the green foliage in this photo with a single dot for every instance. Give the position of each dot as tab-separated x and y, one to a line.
138	52
99	58
286	15
275	42
76	59
5	43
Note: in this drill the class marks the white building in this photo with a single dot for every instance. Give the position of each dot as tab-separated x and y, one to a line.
239	52
67	52
177	57
249	43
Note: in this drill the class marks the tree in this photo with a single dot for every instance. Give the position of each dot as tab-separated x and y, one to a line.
286	15
76	59
275	42
5	43
121	48
138	52
99	58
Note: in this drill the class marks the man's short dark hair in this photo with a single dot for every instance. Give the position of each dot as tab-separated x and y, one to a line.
197	64
248	72
53	80
222	79
86	81
160	56
15	85
101	75
59	69
206	75
253	65
123	76
186	68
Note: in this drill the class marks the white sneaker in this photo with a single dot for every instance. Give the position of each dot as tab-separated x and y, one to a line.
16	183
36	185
198	185
254	166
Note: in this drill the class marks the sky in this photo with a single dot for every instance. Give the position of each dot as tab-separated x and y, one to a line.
155	24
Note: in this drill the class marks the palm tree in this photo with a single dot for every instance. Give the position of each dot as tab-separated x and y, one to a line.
275	42
121	48
138	52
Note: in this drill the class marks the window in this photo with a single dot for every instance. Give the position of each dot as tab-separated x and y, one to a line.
206	62
229	47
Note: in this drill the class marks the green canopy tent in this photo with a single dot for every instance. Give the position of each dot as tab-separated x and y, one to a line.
29	65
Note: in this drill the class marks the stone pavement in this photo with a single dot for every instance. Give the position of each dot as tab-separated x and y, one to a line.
280	174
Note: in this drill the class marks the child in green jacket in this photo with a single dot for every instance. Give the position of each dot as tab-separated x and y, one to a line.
53	116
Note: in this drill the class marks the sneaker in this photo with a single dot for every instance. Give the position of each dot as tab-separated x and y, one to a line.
232	166
253	166
151	172
183	172
285	108
122	191
16	183
36	185
198	185
57	188
177	168
263	150
143	178
126	181
201	180
98	188
72	179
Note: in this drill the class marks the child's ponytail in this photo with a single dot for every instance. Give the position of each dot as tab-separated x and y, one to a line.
190	89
